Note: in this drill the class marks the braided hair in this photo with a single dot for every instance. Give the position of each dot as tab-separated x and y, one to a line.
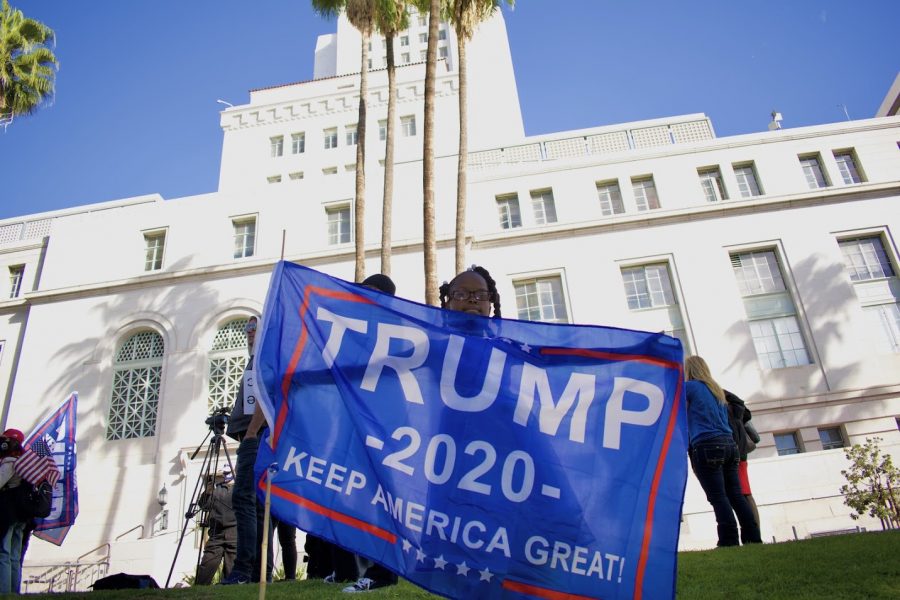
444	290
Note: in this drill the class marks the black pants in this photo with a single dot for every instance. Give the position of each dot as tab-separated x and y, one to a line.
715	463
287	538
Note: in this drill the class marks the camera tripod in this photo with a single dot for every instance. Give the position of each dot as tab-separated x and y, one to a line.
208	471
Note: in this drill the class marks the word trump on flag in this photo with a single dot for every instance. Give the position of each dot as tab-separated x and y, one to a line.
476	457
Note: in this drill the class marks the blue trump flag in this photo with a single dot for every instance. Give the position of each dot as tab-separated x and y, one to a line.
58	431
476	457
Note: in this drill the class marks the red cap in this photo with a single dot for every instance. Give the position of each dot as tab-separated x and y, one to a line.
14	434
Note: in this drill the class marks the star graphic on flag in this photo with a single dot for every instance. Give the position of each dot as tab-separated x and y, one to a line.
462	569
485	575
526	347
406	545
420	556
440	563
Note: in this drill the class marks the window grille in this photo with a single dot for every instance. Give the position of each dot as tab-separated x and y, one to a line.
137	374
227	359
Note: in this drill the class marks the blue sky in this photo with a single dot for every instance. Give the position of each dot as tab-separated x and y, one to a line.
135	110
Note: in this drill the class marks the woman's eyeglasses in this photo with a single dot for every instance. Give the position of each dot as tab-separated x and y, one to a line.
479	295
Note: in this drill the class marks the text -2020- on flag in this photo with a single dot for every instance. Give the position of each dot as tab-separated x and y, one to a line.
57	434
476	457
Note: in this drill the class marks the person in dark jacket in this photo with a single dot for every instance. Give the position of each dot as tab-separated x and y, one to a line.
246	425
714	455
222	543
738	417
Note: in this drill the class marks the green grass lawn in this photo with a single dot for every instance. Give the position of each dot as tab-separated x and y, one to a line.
865	565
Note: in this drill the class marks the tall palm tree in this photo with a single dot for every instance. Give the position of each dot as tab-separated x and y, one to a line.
27	65
428	238
465	16
361	14
391	18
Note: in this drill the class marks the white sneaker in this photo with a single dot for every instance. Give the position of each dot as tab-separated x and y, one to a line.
363	584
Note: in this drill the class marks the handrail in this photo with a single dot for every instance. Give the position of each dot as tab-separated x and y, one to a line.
108	548
141	527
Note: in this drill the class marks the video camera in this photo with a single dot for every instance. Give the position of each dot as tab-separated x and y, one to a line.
218	420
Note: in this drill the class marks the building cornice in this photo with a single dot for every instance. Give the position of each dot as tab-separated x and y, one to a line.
216	272
824	400
658	217
342	99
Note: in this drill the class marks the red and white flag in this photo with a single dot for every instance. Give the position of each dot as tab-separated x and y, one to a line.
36	464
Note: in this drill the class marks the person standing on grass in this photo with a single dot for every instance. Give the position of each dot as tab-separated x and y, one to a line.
714	455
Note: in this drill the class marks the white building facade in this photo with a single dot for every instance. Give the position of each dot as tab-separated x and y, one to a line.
773	255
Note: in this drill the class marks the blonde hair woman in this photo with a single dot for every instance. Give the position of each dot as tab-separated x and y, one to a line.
714	455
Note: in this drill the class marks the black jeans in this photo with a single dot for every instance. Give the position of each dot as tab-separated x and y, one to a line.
715	463
287	538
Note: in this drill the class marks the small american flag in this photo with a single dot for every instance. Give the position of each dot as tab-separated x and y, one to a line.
37	464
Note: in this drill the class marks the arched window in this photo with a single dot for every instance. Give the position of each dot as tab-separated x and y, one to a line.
227	359
137	372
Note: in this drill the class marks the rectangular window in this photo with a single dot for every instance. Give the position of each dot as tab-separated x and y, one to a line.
370	64
330	138
276	145
298	143
712	184
351	135
408	126
812	170
541	300
510	217
543	206
423	20
770	310
787	443
382	130
876	284
832	438
329	171
442	34
404	40
748	183
610	198
244	237
155	245
648	286
338	225
846	162
443	52
404	58
16	272
645	193
274	178
296	175
423	38
866	259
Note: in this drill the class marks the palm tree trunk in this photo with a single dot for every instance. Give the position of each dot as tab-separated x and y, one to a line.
463	156
387	206
429	241
359	204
